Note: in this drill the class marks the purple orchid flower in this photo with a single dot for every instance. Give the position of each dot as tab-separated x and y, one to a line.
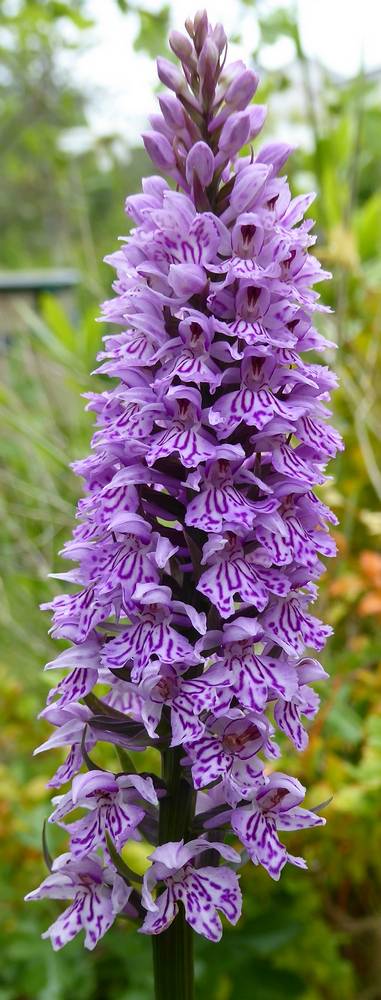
98	895
199	539
229	749
274	807
114	807
188	700
202	891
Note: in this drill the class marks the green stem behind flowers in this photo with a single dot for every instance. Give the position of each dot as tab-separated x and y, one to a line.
173	949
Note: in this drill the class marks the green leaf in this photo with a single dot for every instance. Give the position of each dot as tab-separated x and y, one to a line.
126	763
279	24
59	9
367	227
120	864
90	764
343	722
45	849
56	319
153	32
100	707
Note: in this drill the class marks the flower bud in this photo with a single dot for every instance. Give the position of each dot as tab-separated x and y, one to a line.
189	27
182	47
186	279
158	124
208	59
275	154
200	161
177	121
219	37
249	182
170	76
208	68
235	133
241	90
200	25
230	73
257	117
159	149
154	186
173	111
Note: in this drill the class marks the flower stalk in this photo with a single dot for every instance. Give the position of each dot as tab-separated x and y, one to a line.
173	950
173	960
176	810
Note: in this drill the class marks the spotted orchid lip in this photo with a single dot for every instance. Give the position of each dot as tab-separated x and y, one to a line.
199	538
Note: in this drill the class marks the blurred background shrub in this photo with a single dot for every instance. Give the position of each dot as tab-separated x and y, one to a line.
315	935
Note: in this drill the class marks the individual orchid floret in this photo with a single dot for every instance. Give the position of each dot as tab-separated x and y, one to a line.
77	684
187	700
72	731
98	895
114	809
304	701
231	571
274	807
152	635
202	890
289	625
229	749
251	678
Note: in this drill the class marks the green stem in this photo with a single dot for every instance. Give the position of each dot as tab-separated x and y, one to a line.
173	949
173	961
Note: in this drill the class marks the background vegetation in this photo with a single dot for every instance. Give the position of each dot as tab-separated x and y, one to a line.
315	935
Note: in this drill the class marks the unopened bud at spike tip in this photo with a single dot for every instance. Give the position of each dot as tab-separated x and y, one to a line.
159	149
170	75
275	154
219	38
182	47
207	69
242	89
258	114
200	160
189	27
234	134
208	59
201	26
172	110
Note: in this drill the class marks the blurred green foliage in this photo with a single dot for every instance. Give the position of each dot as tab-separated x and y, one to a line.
314	935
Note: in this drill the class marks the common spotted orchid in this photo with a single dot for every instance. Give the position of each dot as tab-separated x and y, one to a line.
200	535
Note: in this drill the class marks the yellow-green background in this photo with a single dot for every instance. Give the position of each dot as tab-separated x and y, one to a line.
317	934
